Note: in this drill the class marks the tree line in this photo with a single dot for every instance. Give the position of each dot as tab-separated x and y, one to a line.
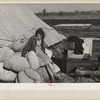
62	13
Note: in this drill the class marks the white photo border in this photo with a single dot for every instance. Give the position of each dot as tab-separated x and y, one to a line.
65	91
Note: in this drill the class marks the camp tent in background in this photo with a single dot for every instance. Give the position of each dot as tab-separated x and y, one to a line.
75	25
17	20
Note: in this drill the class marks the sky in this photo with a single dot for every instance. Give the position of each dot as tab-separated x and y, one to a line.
64	7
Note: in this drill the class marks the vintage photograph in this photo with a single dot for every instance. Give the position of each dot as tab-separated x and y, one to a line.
50	43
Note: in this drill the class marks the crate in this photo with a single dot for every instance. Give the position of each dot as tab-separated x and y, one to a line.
96	47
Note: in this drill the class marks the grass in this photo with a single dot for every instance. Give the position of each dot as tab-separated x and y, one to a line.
80	32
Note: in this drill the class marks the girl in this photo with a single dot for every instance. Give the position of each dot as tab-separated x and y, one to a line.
35	47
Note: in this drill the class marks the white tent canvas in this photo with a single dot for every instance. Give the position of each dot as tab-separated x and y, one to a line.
18	19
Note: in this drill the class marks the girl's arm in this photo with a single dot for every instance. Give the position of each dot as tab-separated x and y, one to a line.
27	47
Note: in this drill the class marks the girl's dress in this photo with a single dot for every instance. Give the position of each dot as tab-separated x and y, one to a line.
43	58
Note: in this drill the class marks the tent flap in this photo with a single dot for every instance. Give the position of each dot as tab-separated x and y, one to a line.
17	20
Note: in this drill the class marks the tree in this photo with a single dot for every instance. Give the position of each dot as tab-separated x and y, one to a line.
76	11
60	13
44	12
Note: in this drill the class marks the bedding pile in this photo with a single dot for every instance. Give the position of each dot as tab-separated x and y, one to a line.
15	68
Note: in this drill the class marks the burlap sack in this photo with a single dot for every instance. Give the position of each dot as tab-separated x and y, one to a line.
5	52
16	63
43	72
34	75
23	78
6	75
19	44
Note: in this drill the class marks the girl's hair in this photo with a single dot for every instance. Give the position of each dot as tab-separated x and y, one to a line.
41	32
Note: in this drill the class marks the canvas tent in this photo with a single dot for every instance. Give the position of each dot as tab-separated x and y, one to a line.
18	19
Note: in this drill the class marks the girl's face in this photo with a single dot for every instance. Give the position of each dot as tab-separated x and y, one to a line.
39	36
